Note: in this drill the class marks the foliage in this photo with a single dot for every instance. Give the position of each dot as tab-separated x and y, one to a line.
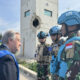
0	36
32	66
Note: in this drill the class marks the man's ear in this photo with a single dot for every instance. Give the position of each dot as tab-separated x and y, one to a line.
9	40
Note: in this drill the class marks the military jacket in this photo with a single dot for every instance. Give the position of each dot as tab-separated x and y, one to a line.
43	53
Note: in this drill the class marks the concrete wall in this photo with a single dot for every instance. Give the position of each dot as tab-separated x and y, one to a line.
27	34
28	31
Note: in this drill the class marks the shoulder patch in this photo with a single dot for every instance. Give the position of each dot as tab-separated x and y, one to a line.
69	45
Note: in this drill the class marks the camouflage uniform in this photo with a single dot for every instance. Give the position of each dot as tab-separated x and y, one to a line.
43	62
55	33
69	52
55	48
71	55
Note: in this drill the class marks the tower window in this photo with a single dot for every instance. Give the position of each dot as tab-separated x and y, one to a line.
35	22
27	13
48	12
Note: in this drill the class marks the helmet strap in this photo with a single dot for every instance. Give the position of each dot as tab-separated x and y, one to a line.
67	32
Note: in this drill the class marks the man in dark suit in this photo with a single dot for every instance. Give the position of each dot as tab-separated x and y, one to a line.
9	69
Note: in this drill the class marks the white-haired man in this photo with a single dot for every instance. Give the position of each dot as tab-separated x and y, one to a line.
9	69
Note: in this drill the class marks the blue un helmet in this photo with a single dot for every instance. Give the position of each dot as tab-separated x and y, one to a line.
69	18
41	35
55	30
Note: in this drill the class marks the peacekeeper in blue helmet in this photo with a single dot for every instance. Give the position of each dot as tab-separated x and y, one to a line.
69	52
42	57
55	33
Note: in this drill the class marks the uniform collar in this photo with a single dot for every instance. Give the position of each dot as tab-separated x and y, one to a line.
72	35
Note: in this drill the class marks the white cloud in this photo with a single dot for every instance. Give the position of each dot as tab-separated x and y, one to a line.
14	26
4	26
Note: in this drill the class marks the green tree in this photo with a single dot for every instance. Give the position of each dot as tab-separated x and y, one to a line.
0	36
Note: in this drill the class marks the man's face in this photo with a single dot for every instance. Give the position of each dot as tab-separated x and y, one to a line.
70	29
53	37
15	44
42	40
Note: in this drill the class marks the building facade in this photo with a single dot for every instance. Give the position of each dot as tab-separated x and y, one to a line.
36	15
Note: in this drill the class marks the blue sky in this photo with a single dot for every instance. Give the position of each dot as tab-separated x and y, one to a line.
65	5
10	12
9	15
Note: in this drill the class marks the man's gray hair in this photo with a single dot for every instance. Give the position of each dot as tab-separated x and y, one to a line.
8	35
